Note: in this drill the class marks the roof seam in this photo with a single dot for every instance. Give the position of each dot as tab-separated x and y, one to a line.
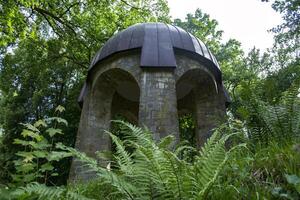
170	34
131	36
209	53
191	40
200	46
181	41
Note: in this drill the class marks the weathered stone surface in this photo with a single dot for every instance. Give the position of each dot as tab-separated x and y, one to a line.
158	104
158	96
152	94
206	100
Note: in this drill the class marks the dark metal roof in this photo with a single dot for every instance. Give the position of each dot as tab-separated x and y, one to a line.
157	42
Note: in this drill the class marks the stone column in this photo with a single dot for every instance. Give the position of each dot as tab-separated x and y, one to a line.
91	136
210	111
158	103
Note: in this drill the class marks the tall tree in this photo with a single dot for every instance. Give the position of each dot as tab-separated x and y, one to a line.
47	47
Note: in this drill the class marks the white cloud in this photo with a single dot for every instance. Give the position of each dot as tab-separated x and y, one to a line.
248	21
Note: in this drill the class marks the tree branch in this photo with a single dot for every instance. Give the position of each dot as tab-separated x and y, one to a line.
69	8
45	12
128	4
51	25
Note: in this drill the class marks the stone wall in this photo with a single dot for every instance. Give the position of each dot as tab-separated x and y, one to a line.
158	105
208	105
97	112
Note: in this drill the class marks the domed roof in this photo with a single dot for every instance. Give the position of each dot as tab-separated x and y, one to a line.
158	42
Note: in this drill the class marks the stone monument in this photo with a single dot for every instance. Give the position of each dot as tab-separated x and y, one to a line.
151	73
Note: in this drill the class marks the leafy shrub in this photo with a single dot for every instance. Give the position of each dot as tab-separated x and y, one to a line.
261	174
35	162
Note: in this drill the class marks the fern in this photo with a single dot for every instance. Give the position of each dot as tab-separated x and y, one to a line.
154	171
41	191
123	157
279	122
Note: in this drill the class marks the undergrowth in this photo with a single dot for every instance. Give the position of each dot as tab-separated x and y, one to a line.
257	158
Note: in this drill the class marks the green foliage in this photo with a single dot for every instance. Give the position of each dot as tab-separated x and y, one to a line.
279	122
40	191
269	168
35	161
288	33
74	19
268	172
187	129
46	48
153	170
202	26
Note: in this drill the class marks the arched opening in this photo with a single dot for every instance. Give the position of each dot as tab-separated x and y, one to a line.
125	107
115	95
196	91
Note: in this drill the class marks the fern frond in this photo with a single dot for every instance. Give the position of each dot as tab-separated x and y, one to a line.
135	134
208	165
41	191
122	157
279	122
153	170
89	162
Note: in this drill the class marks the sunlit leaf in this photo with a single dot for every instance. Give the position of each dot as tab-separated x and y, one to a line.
27	133
46	167
54	131
30	127
40	154
40	123
57	119
60	109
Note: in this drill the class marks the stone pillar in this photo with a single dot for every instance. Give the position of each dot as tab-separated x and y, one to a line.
210	111
91	136
158	103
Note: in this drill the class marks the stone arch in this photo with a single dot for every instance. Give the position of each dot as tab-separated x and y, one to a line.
115	91
109	93
198	95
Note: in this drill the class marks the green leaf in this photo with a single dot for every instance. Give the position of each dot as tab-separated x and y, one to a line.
54	174
60	109
27	133
28	156
294	180
57	155
54	131
40	123
40	154
42	145
29	177
166	141
21	142
25	167
57	119
46	167
30	127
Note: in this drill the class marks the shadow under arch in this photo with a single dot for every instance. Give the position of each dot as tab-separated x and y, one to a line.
114	92
199	105
107	93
